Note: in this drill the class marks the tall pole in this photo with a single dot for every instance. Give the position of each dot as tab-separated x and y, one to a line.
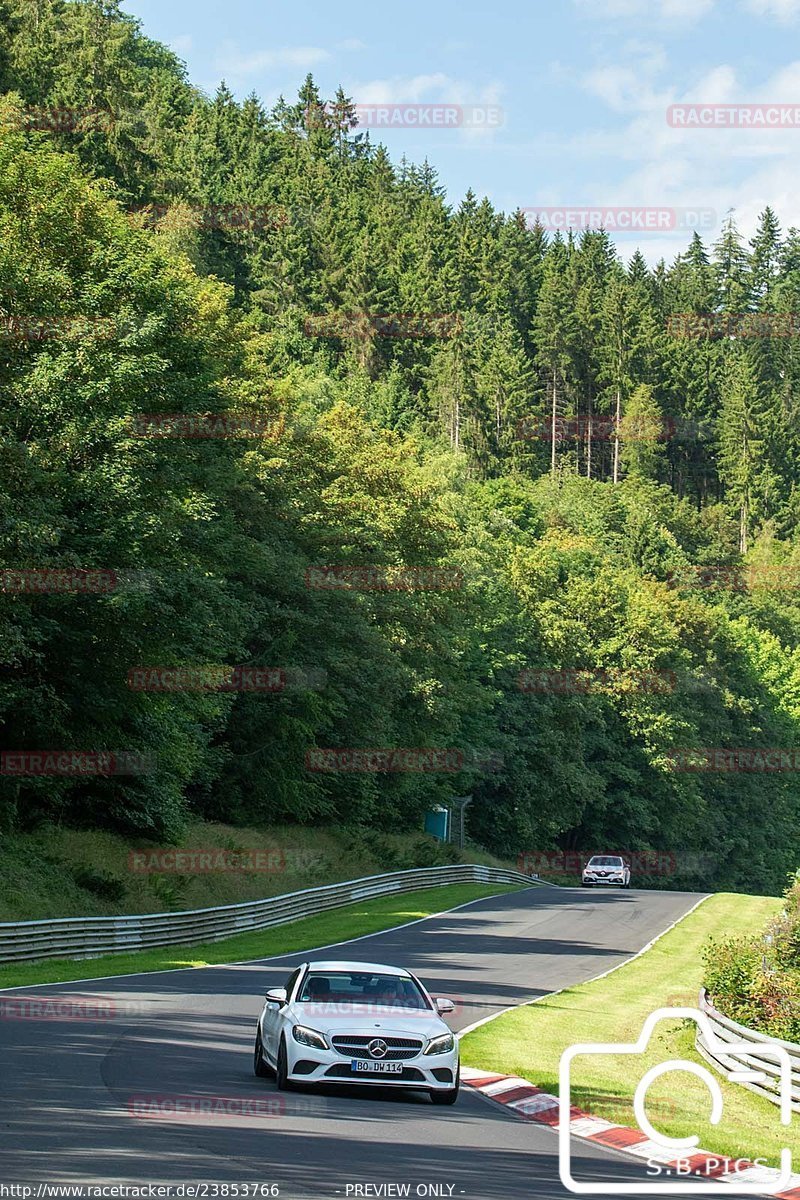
462	802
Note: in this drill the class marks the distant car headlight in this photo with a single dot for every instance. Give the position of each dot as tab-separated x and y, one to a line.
441	1045
309	1037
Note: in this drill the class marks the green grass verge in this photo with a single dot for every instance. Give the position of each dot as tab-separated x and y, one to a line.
530	1040
61	872
368	916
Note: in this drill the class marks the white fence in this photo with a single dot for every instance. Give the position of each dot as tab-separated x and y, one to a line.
728	1031
89	937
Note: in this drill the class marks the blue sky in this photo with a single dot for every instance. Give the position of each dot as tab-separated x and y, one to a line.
584	86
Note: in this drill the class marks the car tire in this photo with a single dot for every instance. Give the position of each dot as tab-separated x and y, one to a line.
282	1069
451	1095
260	1065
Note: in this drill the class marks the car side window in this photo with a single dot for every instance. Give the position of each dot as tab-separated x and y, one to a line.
291	981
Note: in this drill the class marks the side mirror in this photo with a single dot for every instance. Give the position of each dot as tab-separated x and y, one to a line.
443	1005
276	996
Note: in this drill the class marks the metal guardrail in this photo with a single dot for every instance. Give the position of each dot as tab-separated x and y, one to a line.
729	1031
89	937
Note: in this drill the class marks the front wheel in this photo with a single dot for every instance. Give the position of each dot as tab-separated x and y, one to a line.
260	1066
282	1069
451	1095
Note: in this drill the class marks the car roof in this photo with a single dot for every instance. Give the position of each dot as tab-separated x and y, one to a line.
347	965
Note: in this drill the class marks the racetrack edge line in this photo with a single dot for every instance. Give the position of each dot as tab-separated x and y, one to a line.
272	958
594	978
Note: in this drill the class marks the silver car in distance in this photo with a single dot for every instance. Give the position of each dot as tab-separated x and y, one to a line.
609	869
355	1022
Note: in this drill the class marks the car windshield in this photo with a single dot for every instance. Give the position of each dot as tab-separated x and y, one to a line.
356	987
602	861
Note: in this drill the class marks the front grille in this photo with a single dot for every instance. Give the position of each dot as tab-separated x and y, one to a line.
355	1046
343	1071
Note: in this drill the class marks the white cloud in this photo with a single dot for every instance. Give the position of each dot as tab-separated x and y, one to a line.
623	89
668	12
405	89
784	11
233	63
183	44
437	88
743	169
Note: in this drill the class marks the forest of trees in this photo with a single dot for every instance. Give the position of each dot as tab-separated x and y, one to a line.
577	552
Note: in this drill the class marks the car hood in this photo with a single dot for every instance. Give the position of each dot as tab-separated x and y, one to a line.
336	1018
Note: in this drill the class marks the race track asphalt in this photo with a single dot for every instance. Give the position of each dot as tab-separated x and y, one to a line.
86	1090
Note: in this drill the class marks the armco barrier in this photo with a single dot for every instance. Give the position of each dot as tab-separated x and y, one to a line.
89	937
729	1031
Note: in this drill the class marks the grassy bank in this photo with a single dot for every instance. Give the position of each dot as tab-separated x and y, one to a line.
57	872
368	916
530	1040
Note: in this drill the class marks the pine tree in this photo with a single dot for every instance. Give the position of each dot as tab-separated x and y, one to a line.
764	259
741	440
642	435
731	269
617	349
555	333
343	120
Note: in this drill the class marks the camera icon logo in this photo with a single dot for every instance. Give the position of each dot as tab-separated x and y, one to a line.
669	1150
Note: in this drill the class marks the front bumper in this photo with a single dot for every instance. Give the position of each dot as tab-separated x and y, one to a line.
611	881
434	1072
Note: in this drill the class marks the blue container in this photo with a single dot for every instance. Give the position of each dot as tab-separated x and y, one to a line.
436	823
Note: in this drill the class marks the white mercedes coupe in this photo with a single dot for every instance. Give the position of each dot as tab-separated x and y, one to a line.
354	1022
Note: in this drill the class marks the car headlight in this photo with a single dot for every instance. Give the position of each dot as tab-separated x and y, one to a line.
309	1037
441	1044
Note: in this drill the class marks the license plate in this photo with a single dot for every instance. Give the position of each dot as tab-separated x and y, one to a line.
363	1067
